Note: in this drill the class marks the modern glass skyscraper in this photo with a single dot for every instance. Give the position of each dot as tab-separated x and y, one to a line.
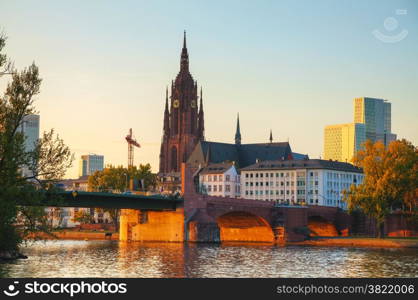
90	164
375	114
30	129
372	121
342	141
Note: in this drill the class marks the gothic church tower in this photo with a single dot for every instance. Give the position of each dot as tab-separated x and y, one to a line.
183	118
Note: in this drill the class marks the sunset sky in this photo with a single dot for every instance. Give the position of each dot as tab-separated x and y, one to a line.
289	66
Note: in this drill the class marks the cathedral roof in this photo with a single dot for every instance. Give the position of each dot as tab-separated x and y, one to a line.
244	154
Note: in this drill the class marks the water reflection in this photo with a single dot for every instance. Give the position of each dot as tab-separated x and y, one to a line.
119	259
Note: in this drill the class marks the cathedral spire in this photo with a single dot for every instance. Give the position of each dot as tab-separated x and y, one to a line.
201	100
184	61
238	133
166	115
201	124
166	98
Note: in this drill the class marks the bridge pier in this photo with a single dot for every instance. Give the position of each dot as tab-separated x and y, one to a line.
147	225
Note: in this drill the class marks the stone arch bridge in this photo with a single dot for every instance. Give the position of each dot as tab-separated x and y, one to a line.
203	218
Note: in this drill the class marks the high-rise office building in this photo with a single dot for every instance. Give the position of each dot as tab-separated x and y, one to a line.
342	141
90	164
372	121
376	115
30	129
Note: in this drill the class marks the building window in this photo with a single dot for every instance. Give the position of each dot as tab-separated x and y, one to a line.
215	188
209	188
246	175
220	177
227	188
215	178
220	188
209	177
227	178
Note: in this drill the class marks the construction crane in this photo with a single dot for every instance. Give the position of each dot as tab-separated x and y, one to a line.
131	144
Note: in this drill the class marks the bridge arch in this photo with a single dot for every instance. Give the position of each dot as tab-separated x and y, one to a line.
241	226
320	226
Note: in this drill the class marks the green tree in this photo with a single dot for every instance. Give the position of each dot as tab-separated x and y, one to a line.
390	182
117	179
45	164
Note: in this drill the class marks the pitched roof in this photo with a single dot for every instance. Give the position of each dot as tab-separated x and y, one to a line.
303	164
216	168
244	155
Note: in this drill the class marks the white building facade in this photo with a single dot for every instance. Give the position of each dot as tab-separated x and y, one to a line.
221	180
296	182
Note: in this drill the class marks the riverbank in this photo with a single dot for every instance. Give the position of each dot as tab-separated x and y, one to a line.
360	242
77	235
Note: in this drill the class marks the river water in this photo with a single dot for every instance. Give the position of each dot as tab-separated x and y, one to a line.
119	259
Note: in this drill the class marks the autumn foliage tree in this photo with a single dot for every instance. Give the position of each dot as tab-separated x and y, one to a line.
390	182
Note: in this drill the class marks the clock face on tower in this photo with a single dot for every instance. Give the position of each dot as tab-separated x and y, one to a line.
193	104
176	103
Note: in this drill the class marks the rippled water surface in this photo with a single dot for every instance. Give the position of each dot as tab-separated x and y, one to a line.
118	259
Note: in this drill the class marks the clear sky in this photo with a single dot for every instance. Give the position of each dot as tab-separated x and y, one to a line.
289	66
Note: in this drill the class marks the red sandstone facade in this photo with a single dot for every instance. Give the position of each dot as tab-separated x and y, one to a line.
183	122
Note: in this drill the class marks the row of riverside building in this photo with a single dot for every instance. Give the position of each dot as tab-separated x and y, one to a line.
288	182
263	171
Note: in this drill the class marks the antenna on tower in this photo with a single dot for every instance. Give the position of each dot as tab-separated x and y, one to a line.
131	144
